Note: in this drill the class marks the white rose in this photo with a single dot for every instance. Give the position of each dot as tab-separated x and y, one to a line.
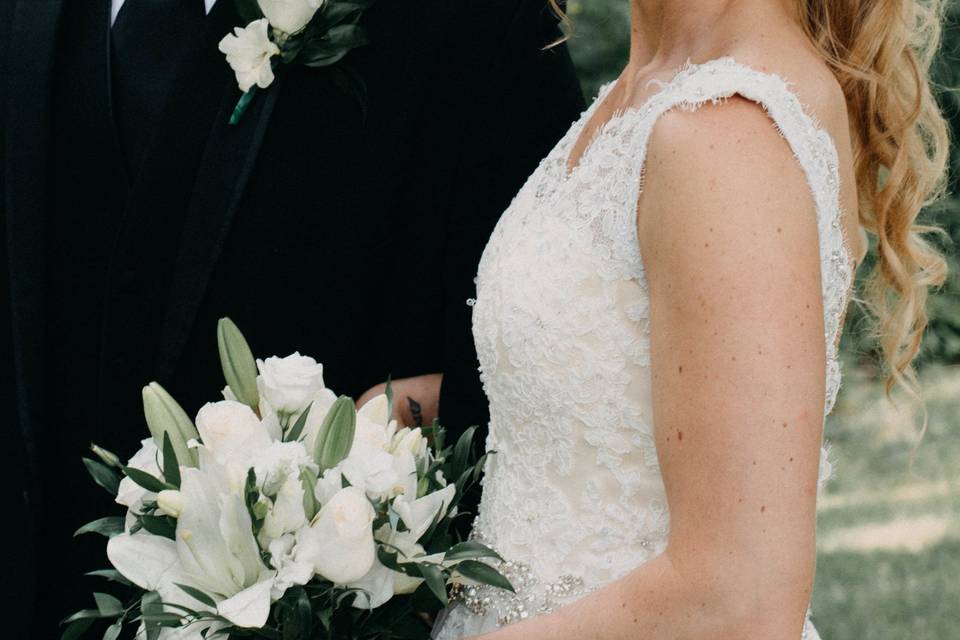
289	384
231	431
340	543
289	16
248	50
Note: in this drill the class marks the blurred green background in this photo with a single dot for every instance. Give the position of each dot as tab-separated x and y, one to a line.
889	525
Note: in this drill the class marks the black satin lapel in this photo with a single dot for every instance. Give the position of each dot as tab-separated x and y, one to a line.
27	113
198	161
230	157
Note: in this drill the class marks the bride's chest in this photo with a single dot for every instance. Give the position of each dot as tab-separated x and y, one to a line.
561	274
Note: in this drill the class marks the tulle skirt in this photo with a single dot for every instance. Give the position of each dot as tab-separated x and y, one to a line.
457	622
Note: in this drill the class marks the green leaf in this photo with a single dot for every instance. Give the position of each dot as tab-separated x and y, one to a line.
163	414
308	478
108	605
160	526
171	467
242	105
103	475
470	549
484	573
147	481
76	629
113	631
294	433
238	363
108	527
390	559
388	391
84	614
462	451
197	595
436	581
336	434
110	574
151	605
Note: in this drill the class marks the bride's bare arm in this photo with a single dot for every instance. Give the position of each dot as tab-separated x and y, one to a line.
728	234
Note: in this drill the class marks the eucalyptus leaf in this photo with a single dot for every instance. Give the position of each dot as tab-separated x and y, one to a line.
110	574
150	605
171	467
109	527
436	581
484	573
76	629
297	429
462	451
113	631
197	595
160	526
146	480
84	614
108	605
238	364
470	550
103	475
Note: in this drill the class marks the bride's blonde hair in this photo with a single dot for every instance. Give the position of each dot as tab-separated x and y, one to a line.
881	52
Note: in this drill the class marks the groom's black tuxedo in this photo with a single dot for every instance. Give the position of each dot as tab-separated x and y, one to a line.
348	231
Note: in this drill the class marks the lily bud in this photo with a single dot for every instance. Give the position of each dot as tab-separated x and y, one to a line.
335	438
164	415
107	457
170	502
238	363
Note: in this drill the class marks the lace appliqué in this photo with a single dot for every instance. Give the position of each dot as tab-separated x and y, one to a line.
561	323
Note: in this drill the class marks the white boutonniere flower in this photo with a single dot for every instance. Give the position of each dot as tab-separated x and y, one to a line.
315	33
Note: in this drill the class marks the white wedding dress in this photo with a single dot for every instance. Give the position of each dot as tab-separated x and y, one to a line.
573	498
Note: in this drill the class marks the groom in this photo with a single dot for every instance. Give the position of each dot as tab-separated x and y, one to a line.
347	224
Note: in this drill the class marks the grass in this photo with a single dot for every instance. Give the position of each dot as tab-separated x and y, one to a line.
889	525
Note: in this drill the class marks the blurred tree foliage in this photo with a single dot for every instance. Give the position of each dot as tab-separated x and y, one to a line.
599	45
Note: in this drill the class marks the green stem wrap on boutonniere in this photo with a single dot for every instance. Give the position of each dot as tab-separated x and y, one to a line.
314	33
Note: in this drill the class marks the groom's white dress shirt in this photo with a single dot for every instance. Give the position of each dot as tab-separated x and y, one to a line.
115	7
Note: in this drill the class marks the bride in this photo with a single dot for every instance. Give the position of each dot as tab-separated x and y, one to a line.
659	309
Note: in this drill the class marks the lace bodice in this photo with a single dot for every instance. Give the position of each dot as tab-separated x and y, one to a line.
574	491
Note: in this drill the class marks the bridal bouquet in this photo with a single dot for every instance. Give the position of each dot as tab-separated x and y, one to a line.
281	512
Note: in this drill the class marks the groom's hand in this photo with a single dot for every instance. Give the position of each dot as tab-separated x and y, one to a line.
416	400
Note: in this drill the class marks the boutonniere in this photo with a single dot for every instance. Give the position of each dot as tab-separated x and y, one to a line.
315	33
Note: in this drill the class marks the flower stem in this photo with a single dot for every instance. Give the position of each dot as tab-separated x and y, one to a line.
242	105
